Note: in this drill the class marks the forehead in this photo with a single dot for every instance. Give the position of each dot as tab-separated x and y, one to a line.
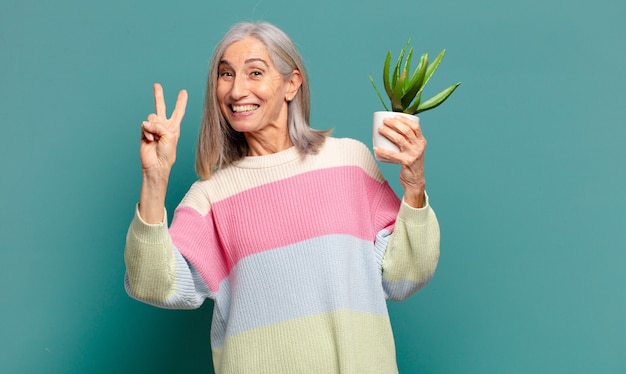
245	51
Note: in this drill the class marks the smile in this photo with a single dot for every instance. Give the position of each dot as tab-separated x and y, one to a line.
243	108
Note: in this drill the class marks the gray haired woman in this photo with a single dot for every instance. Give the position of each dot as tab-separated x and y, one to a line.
295	235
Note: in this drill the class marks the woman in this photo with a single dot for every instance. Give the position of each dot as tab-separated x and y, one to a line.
295	235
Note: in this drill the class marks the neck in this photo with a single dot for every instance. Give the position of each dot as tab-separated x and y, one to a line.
262	144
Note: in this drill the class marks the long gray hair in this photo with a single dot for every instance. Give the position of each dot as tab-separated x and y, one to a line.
218	144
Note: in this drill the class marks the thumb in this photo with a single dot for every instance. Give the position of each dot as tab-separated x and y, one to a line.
152	131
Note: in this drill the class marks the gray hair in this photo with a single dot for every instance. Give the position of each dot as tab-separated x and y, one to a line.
218	144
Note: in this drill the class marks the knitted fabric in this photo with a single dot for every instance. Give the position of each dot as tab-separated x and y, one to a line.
299	255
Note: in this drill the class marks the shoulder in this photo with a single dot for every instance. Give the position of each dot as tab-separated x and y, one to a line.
198	196
226	183
346	144
349	152
346	148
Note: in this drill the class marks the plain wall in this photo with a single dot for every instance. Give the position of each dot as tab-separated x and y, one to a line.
525	169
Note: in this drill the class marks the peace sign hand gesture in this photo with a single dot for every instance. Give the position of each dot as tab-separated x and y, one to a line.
160	135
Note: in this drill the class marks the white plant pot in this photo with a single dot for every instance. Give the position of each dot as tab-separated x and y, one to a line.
378	139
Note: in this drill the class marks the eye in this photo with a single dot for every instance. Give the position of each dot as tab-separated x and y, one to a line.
225	74
256	73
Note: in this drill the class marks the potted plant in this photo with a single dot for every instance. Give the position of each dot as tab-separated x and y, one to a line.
405	90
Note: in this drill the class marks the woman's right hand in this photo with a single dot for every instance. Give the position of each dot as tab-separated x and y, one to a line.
160	135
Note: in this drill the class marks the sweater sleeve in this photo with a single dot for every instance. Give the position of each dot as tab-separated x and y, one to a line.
412	252
156	272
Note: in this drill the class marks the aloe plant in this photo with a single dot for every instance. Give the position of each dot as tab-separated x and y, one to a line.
405	89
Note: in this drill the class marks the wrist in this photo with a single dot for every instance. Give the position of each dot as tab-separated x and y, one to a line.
155	177
152	199
416	198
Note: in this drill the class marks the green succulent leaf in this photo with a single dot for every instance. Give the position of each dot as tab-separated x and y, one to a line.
380	97
397	70
433	66
420	71
415	85
396	97
407	71
386	74
437	100
413	108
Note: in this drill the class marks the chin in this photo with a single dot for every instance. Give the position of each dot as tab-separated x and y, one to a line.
241	126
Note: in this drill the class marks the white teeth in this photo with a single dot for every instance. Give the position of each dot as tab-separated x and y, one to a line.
243	108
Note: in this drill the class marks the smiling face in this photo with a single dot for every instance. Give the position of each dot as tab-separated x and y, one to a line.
252	94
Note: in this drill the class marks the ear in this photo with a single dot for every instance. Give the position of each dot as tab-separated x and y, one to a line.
293	85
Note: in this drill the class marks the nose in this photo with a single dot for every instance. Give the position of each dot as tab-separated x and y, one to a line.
239	88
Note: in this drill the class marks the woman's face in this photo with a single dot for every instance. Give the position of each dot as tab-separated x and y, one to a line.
252	94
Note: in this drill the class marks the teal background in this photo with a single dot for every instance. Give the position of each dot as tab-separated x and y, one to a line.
525	168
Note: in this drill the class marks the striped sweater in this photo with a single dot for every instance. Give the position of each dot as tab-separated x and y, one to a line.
299	255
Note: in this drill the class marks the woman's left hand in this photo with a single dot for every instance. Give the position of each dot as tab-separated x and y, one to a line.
407	136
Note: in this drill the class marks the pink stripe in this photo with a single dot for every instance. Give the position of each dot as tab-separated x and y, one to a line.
340	200
196	238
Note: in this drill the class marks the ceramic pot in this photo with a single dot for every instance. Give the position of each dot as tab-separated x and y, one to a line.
378	139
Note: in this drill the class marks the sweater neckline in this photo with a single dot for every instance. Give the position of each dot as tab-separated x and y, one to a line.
266	161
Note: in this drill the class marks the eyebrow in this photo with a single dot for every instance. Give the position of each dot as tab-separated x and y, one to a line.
248	61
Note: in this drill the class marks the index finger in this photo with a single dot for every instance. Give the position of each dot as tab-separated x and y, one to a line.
181	104
159	101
